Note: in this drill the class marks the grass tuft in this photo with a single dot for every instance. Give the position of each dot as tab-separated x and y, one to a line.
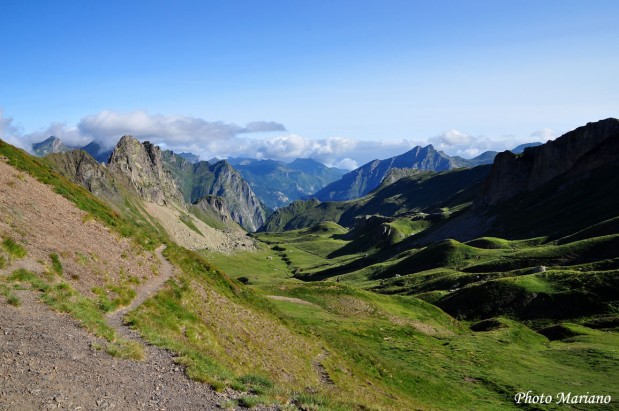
13	300
126	349
14	249
56	264
251	401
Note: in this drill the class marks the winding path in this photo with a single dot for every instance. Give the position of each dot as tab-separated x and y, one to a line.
143	292
49	361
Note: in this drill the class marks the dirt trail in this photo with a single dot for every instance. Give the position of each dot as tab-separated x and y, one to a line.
291	300
48	361
322	372
144	291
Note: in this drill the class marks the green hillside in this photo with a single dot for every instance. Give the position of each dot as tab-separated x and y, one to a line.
423	192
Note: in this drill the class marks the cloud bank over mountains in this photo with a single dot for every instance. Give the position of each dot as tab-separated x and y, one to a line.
258	139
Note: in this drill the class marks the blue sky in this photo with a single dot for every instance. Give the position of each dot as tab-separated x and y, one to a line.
348	80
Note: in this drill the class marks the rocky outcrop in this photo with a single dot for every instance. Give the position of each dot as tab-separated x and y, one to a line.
216	206
573	154
79	167
202	179
141	164
243	205
395	174
49	146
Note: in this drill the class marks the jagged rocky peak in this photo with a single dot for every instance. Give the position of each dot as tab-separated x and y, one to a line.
575	153
202	179
48	146
142	165
243	204
192	158
79	167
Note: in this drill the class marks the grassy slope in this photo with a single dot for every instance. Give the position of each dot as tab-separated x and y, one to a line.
385	352
425	358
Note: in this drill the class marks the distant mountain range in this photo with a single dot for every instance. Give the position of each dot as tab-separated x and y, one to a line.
368	177
274	182
278	183
525	194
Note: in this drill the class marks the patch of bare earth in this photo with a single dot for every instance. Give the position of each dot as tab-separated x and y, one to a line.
209	237
46	223
290	300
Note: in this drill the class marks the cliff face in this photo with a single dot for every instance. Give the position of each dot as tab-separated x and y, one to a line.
203	179
244	206
79	167
573	154
141	164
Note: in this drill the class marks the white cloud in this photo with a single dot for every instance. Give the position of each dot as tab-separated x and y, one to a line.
347	163
544	135
107	126
259	139
457	143
453	137
9	132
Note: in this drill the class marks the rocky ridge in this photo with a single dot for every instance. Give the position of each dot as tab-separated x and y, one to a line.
84	170
142	166
575	153
202	179
366	178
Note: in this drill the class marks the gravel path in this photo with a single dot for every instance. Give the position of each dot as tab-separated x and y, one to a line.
144	291
47	361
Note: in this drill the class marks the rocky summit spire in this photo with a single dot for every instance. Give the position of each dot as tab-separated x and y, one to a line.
141	164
